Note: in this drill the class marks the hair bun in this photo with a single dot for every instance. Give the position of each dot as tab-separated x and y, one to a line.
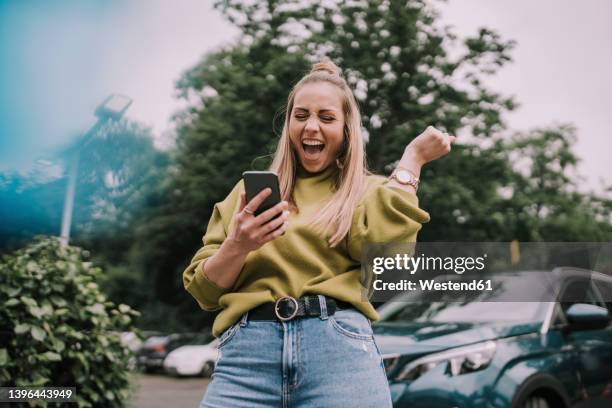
327	66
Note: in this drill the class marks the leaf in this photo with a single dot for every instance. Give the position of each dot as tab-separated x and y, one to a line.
61	311
39	381
37	312
98	309
3	357
58	301
11	302
22	328
28	301
12	292
83	361
51	356
123	308
58	345
38	333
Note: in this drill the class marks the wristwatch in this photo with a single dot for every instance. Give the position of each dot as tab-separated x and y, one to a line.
405	177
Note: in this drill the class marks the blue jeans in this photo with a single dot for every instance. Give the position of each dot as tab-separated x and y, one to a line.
323	361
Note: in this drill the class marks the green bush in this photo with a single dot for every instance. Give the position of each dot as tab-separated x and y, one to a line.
57	328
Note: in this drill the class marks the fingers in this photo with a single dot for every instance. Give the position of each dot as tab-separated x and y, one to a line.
270	213
438	134
241	215
274	224
276	233
242	201
440	137
254	204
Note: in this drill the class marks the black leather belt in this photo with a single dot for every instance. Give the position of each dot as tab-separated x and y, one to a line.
287	308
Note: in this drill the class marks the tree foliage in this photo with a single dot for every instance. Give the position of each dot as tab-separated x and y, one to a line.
58	329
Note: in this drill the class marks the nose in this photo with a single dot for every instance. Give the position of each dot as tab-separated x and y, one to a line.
312	125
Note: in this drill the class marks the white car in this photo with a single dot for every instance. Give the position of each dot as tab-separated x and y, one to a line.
192	360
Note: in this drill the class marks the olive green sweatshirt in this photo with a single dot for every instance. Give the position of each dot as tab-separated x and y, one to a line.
300	262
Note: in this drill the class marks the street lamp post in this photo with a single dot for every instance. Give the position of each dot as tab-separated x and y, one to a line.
111	109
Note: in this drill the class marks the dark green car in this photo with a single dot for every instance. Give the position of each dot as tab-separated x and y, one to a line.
470	353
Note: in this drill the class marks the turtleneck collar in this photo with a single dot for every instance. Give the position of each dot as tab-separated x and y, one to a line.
302	173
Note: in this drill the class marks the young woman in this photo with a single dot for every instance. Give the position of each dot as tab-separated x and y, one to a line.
293	328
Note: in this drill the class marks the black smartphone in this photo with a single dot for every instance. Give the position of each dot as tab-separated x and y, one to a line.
256	181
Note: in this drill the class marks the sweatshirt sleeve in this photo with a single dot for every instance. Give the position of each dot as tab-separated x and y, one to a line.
206	292
385	215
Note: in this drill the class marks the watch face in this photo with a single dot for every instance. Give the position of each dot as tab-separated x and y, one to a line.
403	176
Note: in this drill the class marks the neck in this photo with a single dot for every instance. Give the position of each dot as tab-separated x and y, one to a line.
301	172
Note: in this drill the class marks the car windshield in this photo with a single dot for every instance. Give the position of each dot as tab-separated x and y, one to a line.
458	306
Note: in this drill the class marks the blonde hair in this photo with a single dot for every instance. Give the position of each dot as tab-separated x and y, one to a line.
337	212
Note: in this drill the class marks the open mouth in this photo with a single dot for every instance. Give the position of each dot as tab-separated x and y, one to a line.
312	148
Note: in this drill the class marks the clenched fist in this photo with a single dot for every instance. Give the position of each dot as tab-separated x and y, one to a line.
429	146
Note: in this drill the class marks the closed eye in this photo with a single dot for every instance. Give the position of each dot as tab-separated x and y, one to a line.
323	118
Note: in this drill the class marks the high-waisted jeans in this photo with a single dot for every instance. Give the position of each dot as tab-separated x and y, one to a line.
323	361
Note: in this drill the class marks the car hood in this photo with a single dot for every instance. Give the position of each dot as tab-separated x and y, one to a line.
424	338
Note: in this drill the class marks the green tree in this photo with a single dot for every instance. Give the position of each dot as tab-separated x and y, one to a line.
544	200
121	174
58	329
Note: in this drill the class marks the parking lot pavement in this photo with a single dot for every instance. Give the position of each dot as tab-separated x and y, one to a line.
160	391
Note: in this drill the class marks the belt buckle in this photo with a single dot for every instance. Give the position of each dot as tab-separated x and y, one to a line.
286	298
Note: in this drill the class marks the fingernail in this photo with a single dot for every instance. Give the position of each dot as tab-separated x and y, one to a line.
286	213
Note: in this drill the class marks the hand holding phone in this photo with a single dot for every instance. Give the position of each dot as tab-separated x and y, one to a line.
262	216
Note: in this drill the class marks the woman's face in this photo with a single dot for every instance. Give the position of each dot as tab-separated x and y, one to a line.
316	125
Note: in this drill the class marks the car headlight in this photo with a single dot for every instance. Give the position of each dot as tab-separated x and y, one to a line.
459	361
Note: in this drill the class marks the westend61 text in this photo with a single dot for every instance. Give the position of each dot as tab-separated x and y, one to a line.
431	285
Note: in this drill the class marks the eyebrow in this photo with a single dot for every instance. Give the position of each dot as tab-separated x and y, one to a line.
322	110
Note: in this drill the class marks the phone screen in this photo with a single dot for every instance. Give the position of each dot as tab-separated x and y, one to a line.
256	181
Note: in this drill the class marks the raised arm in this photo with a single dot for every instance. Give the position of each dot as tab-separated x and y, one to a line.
428	146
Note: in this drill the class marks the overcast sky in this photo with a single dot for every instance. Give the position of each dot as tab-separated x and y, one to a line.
59	59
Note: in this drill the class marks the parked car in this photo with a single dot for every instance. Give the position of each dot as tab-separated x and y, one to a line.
470	353
150	357
196	359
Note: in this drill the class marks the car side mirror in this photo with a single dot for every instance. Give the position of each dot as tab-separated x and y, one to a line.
582	316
